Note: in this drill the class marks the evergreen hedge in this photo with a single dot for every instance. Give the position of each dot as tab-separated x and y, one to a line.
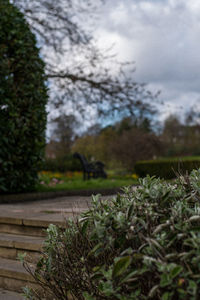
23	96
62	164
166	168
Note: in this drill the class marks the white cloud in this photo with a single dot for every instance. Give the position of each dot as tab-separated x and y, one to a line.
162	37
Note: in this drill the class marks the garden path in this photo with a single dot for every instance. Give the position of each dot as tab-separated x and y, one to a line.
20	215
57	209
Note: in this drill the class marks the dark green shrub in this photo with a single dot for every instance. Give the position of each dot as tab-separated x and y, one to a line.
23	96
166	168
62	164
143	244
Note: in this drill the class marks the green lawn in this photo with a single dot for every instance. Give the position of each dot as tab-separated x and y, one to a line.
57	182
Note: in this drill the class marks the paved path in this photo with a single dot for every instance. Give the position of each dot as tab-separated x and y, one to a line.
46	210
52	209
7	295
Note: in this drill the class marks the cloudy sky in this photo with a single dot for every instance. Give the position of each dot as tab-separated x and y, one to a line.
163	38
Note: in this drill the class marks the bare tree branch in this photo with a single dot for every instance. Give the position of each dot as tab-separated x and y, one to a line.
77	71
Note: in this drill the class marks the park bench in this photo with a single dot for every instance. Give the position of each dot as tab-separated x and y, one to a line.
91	169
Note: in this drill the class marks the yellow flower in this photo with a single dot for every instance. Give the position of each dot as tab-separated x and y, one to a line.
57	175
134	176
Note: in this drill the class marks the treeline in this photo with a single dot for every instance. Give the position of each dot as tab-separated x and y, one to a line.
120	145
123	144
180	138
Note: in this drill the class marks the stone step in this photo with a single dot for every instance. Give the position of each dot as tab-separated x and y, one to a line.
30	227
18	236
8	295
12	245
14	277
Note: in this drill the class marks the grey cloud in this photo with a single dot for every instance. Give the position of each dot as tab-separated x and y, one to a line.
163	38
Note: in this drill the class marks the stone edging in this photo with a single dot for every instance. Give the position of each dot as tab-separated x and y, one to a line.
17	198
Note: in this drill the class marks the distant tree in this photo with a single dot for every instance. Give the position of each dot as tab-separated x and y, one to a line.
172	136
78	72
94	129
86	145
192	128
120	145
192	116
129	122
97	146
133	145
172	128
63	133
23	97
181	139
124	125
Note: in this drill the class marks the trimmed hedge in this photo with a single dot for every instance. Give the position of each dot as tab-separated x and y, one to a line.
23	97
166	168
62	164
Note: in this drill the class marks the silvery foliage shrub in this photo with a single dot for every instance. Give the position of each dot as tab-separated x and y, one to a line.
142	244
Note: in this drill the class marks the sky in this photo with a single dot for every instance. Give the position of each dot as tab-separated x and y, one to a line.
162	37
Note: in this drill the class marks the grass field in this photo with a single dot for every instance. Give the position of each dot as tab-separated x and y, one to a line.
73	181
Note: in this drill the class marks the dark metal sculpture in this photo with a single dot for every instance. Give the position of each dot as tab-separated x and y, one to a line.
91	169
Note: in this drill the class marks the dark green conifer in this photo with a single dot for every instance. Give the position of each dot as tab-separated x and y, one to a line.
23	97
